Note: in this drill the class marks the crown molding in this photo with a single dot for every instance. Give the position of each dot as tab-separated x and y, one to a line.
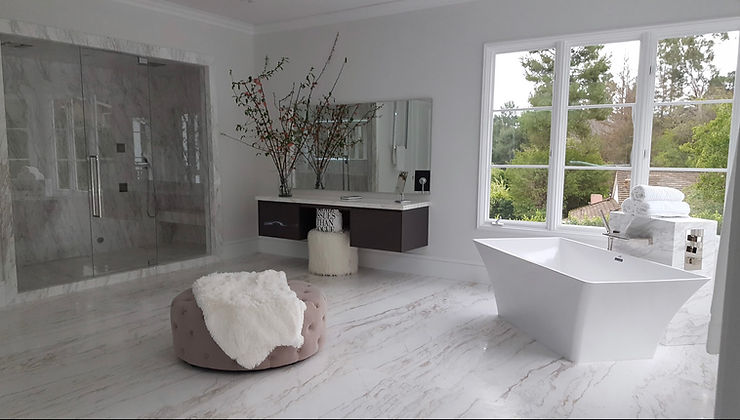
360	13
173	9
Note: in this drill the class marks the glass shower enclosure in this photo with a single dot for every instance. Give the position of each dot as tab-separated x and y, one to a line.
107	159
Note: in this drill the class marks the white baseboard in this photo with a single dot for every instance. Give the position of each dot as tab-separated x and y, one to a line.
285	247
386	260
424	265
239	248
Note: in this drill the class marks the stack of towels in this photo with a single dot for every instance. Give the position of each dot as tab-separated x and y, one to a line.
649	201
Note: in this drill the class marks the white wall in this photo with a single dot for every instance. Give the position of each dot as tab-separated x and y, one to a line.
229	48
438	53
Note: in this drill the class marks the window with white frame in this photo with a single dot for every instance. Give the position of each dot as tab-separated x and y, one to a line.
692	118
520	138
568	125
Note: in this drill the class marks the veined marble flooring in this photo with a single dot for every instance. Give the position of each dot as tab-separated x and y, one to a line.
397	345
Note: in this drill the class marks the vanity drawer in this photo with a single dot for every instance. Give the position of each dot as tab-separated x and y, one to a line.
389	230
279	220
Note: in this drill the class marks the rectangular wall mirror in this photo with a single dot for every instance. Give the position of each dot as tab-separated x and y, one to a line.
398	139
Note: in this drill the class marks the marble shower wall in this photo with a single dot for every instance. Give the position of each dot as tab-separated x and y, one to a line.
9	287
49	222
51	131
8	280
117	119
180	152
53	127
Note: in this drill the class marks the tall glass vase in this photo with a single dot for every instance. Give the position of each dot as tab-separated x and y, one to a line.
320	183
286	186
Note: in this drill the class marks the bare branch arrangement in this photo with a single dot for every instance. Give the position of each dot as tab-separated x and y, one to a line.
330	126
331	133
319	132
277	141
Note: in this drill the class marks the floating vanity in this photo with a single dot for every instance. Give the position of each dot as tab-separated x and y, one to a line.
374	223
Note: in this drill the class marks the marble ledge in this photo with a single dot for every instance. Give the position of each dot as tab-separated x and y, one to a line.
673	220
108	280
668	239
50	33
366	202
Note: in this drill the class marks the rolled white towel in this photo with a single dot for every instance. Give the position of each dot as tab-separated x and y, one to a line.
628	206
653	193
656	208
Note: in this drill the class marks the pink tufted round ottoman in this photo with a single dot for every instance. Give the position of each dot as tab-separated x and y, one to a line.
193	342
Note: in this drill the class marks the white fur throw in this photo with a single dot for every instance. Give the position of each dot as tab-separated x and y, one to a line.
249	314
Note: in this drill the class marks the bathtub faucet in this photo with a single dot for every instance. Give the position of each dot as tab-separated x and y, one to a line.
609	232
615	234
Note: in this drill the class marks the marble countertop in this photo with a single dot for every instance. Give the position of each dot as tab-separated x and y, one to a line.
367	202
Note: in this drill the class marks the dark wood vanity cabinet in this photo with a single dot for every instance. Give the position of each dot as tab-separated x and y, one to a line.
389	230
281	220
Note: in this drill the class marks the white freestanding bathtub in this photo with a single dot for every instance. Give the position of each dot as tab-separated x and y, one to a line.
583	302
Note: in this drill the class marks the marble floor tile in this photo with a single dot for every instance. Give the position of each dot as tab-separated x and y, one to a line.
397	345
690	325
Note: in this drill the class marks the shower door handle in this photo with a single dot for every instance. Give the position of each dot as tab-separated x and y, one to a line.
96	205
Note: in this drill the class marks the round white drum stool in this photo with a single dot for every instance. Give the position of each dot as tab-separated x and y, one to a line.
329	253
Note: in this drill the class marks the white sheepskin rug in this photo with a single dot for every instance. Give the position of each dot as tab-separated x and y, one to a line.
249	314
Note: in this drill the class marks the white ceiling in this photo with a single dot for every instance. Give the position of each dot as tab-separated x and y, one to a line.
271	15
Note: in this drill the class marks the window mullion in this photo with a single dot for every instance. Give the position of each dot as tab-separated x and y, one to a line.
734	123
643	110
486	141
734	133
558	134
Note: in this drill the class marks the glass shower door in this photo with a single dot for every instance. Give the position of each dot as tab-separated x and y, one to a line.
48	162
117	115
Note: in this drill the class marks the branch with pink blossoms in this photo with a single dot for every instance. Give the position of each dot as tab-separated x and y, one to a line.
293	125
